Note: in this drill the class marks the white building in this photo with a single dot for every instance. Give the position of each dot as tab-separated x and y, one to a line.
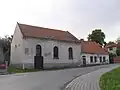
112	48
58	48
93	53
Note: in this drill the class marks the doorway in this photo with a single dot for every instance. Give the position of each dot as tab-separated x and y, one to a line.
38	59
84	60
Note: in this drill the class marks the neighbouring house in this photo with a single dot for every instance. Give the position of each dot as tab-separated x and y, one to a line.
93	53
58	48
111	48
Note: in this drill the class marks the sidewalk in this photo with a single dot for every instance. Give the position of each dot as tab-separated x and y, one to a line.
88	81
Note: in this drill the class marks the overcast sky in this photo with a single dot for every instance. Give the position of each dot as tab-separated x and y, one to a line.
79	17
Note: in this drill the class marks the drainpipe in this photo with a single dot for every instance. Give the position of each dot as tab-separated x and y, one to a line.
81	59
23	66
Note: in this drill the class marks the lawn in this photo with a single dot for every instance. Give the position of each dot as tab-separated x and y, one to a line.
19	70
110	80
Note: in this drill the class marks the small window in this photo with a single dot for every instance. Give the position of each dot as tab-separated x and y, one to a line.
100	59
110	48
38	50
91	59
104	59
27	51
15	46
95	58
55	52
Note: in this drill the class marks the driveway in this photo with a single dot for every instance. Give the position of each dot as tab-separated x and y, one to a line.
44	80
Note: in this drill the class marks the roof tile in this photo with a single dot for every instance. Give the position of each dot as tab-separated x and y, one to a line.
92	48
40	32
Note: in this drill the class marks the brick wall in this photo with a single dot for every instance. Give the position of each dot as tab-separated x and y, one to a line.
116	59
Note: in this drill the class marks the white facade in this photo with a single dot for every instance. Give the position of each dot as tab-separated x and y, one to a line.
17	47
112	50
19	44
88	61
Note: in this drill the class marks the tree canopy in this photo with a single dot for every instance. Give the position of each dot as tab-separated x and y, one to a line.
118	51
98	36
5	42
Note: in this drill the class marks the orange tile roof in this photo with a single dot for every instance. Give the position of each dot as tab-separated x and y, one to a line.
92	48
111	45
40	32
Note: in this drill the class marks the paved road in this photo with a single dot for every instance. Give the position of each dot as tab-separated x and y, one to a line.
89	81
44	80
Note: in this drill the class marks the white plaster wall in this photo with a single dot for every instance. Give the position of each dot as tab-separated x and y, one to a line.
112	51
47	47
17	52
98	60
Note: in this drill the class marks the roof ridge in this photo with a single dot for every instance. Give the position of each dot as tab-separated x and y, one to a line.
41	32
93	47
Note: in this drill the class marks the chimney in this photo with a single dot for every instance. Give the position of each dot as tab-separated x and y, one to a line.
81	40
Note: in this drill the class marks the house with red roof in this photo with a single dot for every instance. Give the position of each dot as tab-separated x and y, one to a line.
34	47
93	53
112	47
52	47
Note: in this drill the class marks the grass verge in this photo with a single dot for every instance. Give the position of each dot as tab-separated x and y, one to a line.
110	80
20	70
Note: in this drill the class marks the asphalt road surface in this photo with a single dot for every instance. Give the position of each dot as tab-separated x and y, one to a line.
44	80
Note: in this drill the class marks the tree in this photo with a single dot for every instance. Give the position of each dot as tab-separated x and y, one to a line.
118	51
6	47
118	40
111	56
98	36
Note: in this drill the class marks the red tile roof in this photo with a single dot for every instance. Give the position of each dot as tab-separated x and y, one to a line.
40	32
92	48
111	45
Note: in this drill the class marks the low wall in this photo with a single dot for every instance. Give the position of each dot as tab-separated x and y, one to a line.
46	65
116	59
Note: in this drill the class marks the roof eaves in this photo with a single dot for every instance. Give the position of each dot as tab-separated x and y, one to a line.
20	29
106	53
51	39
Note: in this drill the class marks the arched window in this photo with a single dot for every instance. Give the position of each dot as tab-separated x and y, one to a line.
38	50
55	52
70	51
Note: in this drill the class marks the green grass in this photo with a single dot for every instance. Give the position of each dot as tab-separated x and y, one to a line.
19	70
110	80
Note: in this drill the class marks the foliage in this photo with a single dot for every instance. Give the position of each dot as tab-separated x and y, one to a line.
111	56
110	80
20	70
118	40
118	51
6	44
98	36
